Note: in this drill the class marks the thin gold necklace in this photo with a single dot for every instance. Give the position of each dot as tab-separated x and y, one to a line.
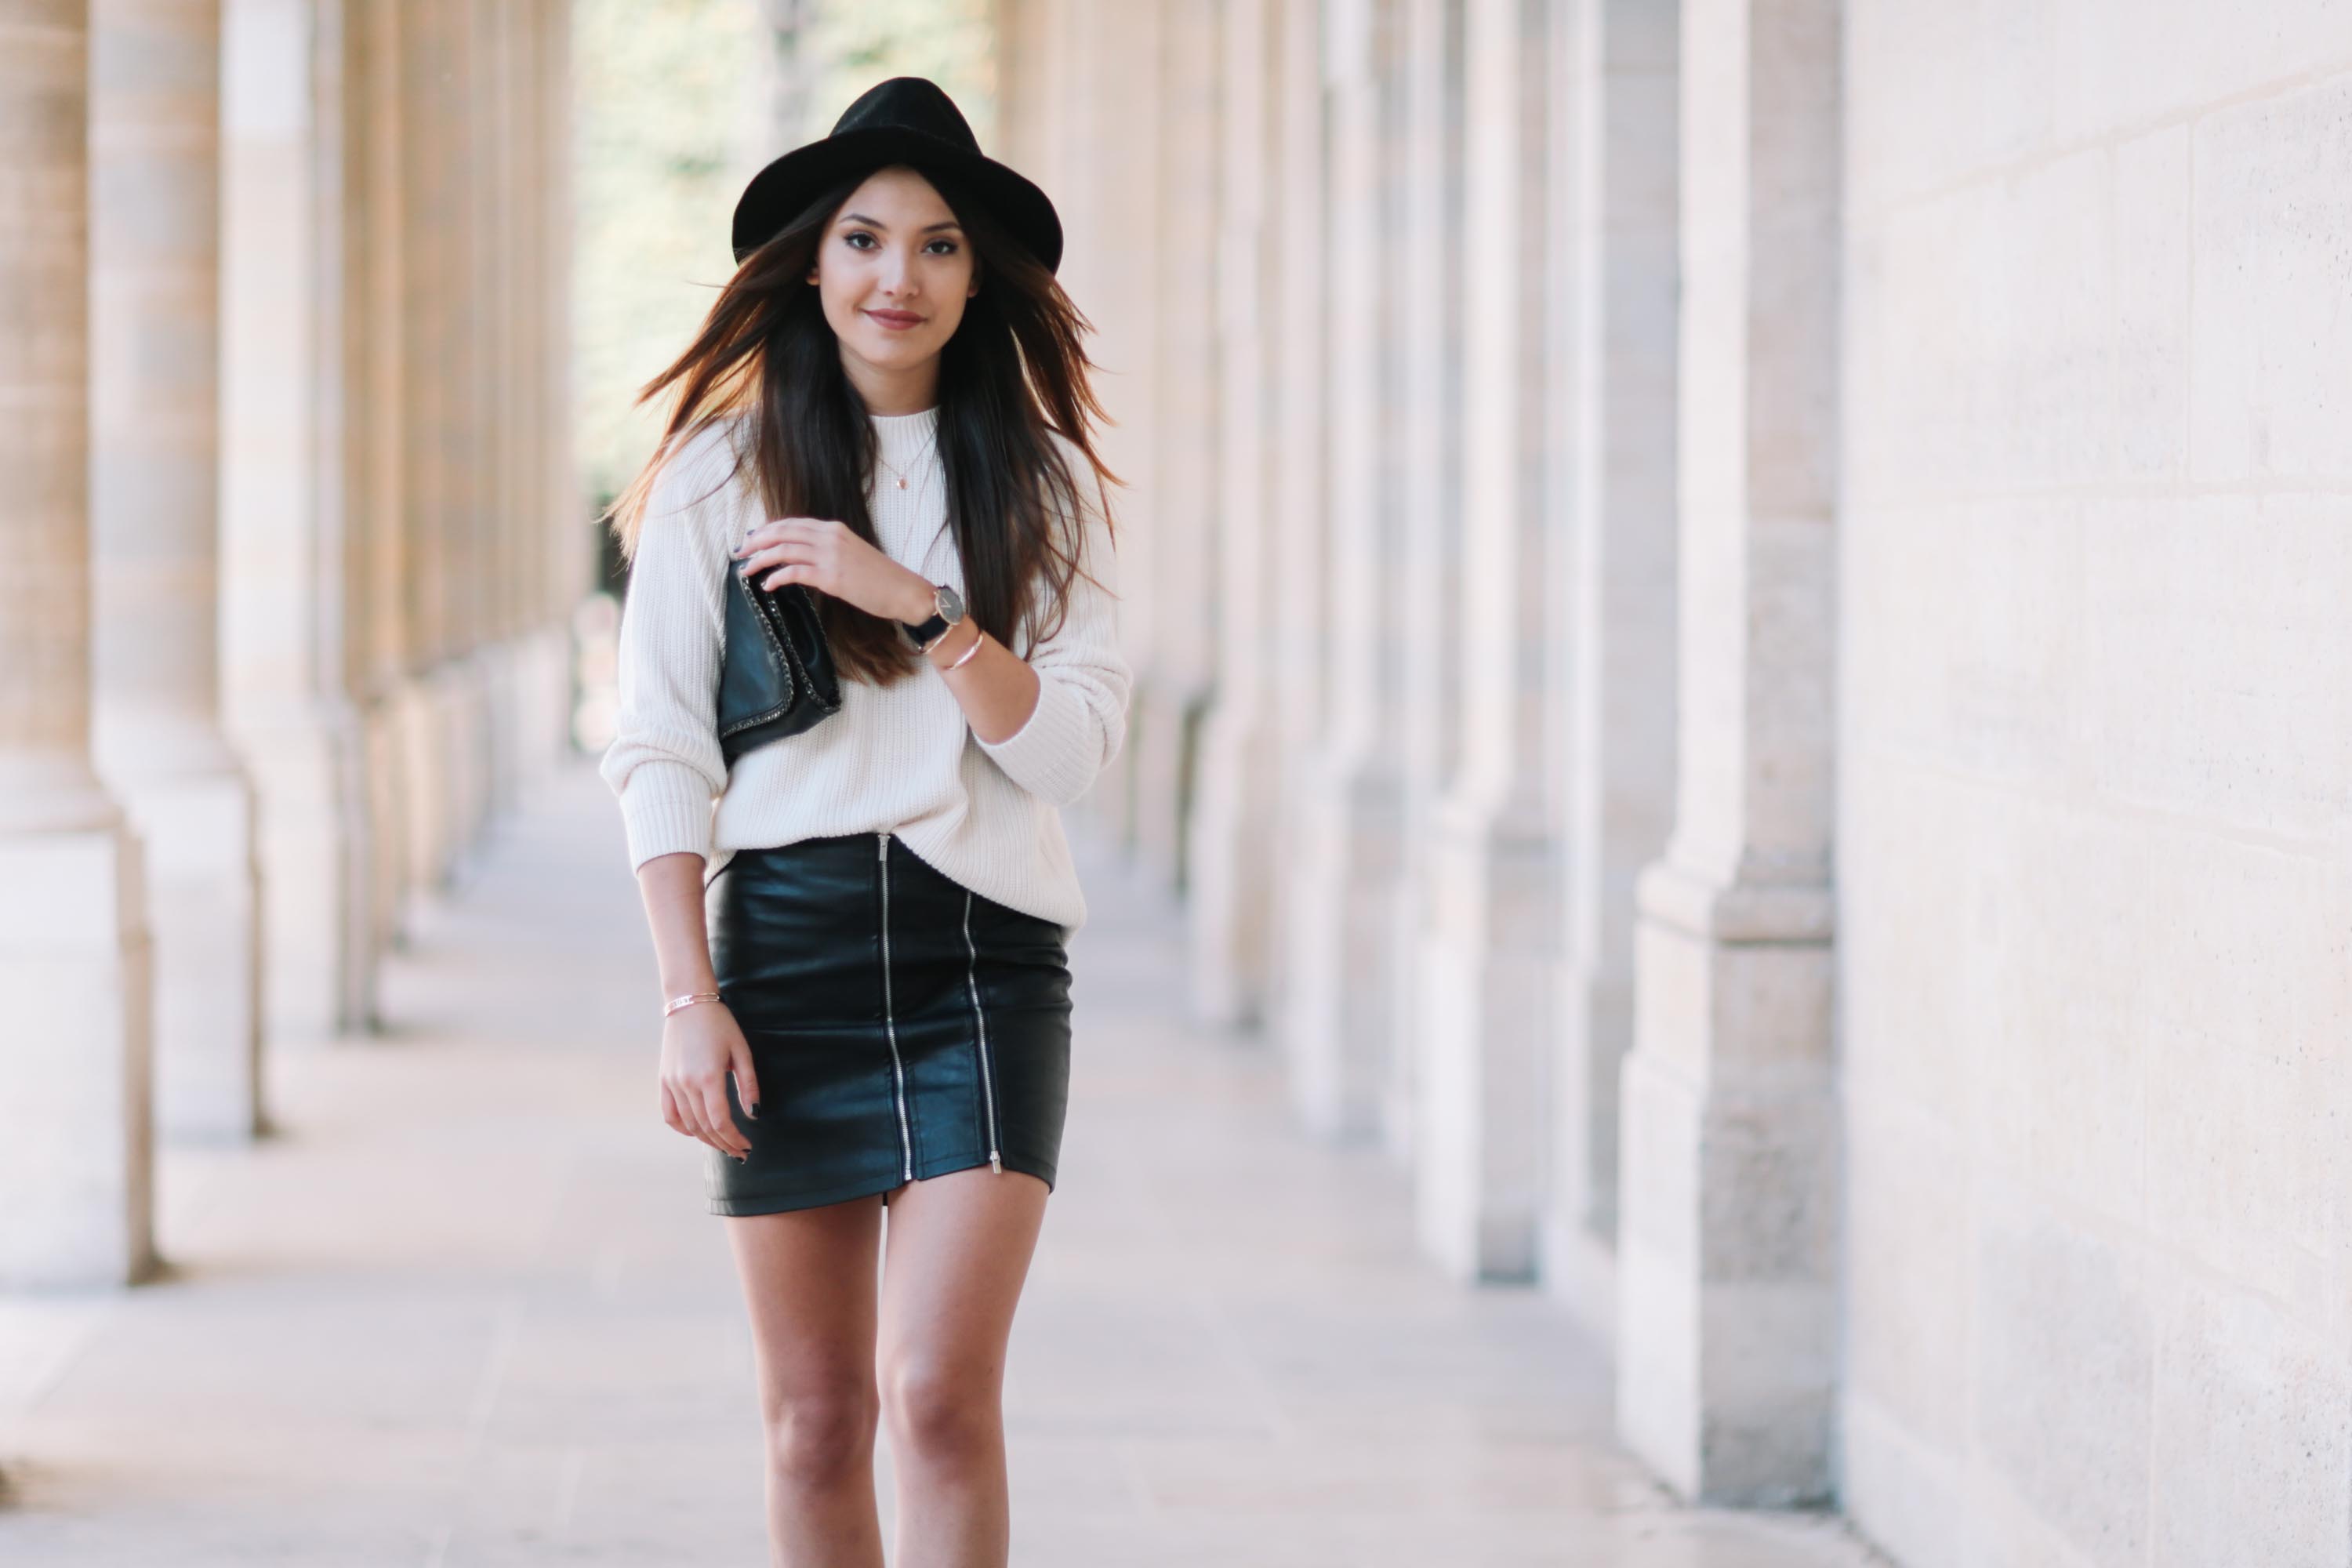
931	452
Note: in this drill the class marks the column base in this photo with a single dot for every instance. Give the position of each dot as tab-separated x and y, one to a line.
1488	986
76	1142
445	742
1341	877
1579	1229
203	909
1160	738
385	727
1400	992
1728	1236
1230	871
524	688
311	835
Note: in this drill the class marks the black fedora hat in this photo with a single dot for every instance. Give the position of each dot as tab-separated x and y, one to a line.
905	120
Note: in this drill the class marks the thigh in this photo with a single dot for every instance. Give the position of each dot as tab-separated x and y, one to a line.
956	1257
808	1279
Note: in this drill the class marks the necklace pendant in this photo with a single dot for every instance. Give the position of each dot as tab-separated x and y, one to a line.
902	484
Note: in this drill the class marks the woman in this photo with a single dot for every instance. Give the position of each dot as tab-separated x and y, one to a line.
863	953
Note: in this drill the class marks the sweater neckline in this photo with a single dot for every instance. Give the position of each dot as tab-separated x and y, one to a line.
905	436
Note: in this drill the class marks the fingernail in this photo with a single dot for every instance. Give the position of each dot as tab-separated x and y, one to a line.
752	1110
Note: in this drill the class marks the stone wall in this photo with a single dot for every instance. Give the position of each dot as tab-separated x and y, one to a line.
2093	762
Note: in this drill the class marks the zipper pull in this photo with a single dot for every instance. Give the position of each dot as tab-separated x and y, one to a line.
882	844
995	1163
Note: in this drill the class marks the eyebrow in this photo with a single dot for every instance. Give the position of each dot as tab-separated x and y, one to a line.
877	223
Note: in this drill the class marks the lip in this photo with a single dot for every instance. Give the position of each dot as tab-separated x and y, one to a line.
897	321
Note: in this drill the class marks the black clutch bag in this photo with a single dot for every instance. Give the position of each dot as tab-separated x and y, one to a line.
777	677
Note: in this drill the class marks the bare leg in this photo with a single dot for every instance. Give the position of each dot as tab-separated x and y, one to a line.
954	1262
808	1281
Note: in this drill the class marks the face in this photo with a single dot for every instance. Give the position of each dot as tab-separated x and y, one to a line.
894	271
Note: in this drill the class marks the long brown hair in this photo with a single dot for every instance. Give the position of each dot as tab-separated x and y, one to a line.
1013	378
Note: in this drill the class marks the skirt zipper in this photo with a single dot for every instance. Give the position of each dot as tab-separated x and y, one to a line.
987	1077
889	1025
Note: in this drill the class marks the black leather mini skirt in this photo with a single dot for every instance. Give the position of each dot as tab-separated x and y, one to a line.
901	1025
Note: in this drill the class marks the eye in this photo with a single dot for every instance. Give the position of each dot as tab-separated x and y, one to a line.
853	236
948	243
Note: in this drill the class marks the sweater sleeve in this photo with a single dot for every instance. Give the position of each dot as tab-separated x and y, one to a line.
1080	719
663	763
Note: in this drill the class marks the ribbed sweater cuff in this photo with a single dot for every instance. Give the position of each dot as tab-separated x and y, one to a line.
1047	755
665	808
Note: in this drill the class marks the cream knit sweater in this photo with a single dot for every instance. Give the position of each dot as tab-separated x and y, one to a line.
902	758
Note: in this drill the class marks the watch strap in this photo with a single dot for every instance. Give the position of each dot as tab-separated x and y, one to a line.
934	626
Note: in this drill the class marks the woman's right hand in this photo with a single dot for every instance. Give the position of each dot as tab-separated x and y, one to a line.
701	1043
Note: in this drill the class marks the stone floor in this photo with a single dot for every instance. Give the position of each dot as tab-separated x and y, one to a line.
465	1308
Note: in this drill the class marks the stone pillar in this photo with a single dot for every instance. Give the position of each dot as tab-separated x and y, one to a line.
375	448
1428	311
1231	852
541	129
283	606
1492	935
1078	103
1619	71
155	730
1177	556
1344	843
568	544
432	522
464	683
1727	1240
77	1178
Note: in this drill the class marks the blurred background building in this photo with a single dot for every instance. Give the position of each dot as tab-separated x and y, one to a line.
1738	606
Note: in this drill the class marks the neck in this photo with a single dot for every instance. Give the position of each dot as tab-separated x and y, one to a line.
894	392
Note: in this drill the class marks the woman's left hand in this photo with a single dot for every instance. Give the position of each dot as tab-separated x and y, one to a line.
826	555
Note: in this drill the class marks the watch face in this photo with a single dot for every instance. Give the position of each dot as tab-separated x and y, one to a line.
950	604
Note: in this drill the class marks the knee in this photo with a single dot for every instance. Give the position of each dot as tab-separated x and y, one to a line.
944	1413
818	1438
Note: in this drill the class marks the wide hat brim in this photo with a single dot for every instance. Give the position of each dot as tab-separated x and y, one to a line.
906	119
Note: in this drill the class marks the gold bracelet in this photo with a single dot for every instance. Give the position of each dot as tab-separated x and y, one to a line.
978	637
688	1000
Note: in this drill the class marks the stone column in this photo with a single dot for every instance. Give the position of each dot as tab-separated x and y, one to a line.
567	543
1079	102
463	685
432	522
1428	306
1231	872
155	727
1728	1239
1344	842
1493	903
1620	78
1114	250
488	173
1176	551
376	437
283	606
76	1176
541	129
